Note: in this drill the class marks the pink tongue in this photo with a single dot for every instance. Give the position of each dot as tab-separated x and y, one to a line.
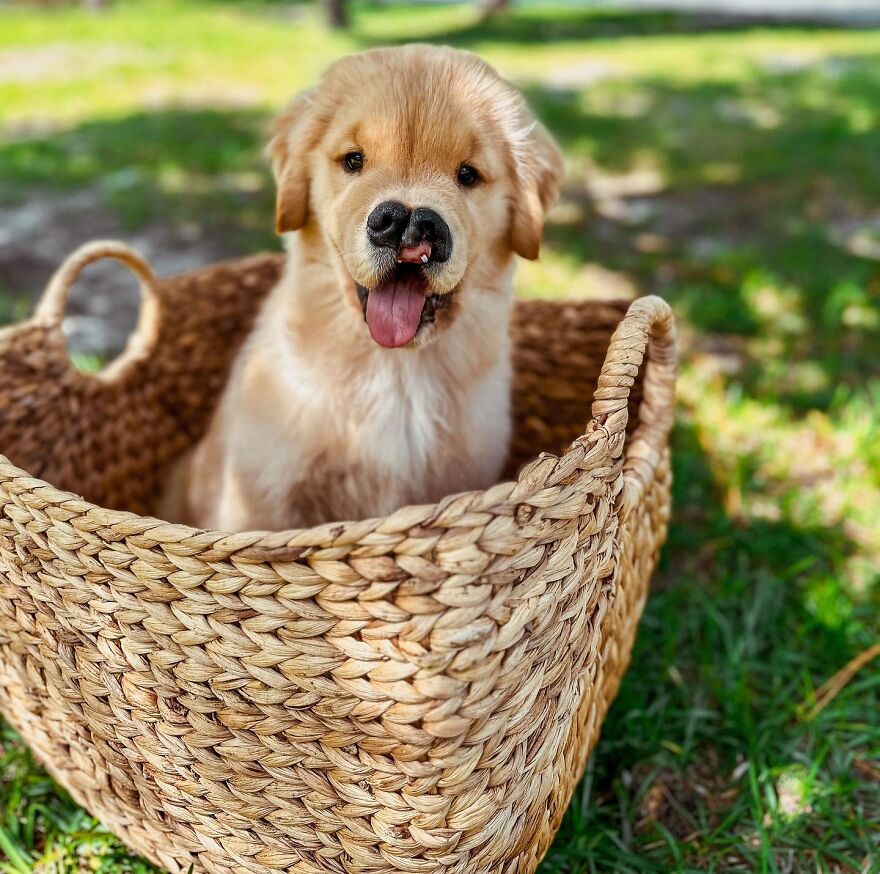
394	310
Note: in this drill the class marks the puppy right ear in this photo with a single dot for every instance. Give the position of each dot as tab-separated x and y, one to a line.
541	173
294	134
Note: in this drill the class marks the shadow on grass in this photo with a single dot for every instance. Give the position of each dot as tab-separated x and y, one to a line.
195	160
539	26
707	721
194	182
758	218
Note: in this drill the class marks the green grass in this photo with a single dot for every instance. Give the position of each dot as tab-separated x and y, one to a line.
735	172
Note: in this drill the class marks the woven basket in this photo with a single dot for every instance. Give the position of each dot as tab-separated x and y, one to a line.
417	693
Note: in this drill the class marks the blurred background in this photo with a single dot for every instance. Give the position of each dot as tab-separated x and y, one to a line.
725	155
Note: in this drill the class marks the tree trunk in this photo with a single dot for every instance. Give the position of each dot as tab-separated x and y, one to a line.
337	14
490	7
95	5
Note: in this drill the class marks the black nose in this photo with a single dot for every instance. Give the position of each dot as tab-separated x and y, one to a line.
391	224
386	224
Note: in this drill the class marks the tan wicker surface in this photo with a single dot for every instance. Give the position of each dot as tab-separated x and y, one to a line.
417	693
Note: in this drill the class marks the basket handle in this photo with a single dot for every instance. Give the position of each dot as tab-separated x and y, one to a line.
53	304
647	331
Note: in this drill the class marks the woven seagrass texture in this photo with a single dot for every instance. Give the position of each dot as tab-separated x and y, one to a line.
417	693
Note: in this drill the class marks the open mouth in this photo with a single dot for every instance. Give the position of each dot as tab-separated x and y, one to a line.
400	305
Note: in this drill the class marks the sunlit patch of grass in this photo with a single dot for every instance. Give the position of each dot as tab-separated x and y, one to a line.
186	52
557	275
43	830
13	308
87	363
777	308
814	469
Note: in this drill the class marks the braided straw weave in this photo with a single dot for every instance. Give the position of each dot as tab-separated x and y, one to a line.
417	693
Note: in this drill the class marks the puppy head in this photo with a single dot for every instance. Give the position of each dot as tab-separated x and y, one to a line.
424	171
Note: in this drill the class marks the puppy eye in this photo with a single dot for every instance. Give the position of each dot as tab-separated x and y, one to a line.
467	176
353	162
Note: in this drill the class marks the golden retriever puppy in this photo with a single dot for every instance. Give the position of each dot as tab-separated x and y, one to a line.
378	373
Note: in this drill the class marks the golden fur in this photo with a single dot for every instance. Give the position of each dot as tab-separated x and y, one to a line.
318	421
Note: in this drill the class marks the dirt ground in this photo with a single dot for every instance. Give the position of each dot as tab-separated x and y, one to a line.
36	236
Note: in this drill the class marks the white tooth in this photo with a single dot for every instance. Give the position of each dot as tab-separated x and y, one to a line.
424	259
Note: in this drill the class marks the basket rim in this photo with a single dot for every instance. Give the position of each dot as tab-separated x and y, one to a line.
543	470
290	543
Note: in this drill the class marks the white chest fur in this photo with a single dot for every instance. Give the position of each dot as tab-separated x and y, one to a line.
311	441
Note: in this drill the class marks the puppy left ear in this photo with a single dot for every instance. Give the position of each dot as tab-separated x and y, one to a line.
294	134
541	172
